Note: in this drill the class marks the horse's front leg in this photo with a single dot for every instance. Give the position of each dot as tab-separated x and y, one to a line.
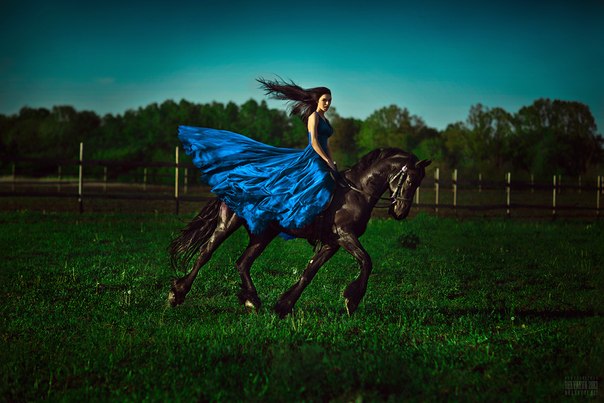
356	290
288	299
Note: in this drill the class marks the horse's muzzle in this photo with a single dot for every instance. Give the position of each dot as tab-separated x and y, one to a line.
399	211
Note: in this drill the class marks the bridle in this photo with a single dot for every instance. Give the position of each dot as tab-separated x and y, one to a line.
401	175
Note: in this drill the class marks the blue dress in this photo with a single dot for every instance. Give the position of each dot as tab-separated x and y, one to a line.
259	182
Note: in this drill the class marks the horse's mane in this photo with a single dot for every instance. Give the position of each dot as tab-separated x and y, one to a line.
378	154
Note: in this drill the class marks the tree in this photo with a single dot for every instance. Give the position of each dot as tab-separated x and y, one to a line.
488	135
341	143
556	136
546	137
482	142
296	132
455	138
432	145
390	127
5	147
23	137
500	135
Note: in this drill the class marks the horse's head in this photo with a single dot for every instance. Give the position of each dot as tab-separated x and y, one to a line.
403	181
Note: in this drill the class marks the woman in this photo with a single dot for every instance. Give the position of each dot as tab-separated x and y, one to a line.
262	183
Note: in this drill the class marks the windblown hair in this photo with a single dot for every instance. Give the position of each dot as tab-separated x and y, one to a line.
301	102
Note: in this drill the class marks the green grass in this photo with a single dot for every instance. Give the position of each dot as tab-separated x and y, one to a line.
480	309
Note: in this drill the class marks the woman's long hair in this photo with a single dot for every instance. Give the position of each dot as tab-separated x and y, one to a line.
302	102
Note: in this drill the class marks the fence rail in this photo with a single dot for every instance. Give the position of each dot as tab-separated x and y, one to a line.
443	193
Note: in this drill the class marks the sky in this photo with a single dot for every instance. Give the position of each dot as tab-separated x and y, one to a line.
434	58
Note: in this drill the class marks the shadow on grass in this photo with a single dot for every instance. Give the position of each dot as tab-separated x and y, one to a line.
451	314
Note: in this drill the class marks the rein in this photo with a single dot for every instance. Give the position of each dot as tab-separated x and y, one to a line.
402	174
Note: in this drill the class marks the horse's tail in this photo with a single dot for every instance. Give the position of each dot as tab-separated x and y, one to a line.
184	247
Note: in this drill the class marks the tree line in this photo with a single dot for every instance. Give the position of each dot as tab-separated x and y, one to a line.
549	136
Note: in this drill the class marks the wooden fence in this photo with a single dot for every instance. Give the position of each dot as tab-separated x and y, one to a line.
442	194
527	195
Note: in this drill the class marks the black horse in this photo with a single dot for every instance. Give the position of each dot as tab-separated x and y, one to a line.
340	225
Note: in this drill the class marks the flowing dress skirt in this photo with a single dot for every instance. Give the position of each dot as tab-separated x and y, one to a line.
259	182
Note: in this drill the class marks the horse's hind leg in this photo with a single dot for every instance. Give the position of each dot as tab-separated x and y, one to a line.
288	299
248	295
228	222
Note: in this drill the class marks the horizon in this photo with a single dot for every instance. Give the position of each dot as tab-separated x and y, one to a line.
436	59
268	102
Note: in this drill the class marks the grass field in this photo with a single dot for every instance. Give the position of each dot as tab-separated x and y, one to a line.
468	310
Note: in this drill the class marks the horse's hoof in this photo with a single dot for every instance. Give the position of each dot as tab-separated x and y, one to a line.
249	299
250	306
351	306
175	298
177	294
172	298
251	302
352	297
283	308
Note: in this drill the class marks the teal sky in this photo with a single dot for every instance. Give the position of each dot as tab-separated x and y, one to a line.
432	57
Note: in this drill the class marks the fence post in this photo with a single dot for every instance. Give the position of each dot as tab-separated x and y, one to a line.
59	177
480	182
145	179
508	191
559	183
417	196
176	183
186	180
532	183
80	179
599	186
436	186
579	184
554	198
105	178
14	176
454	190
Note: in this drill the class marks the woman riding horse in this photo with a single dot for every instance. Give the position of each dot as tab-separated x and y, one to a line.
274	191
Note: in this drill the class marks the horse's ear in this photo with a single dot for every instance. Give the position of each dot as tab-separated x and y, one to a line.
422	163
